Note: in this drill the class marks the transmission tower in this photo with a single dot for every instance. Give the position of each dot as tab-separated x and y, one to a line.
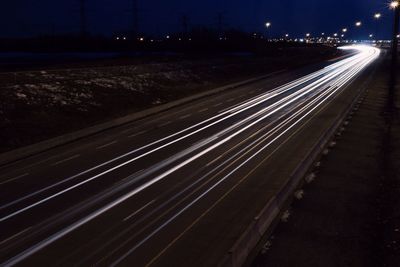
185	26
135	18
220	21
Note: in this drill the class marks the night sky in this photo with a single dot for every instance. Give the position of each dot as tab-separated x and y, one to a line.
20	18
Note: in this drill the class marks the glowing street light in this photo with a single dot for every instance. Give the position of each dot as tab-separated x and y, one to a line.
358	23
371	35
267	25
377	17
344	30
308	34
394	4
335	34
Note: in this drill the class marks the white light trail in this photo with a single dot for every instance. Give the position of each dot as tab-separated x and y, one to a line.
338	74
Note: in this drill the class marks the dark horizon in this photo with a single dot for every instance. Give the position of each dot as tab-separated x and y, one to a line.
26	18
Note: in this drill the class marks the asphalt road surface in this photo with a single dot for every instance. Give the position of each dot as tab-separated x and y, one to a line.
174	189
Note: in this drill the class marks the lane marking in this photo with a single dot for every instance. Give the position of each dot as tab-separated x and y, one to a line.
14	236
139	210
127	130
203	110
185	116
13	179
136	134
165	124
107	145
65	160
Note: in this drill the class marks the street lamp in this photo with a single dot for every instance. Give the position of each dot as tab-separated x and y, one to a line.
308	35
267	25
395	6
358	23
377	16
344	30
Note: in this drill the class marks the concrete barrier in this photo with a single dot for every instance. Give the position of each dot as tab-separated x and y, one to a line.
34	149
248	241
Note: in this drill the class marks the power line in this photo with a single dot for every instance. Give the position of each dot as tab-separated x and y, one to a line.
83	18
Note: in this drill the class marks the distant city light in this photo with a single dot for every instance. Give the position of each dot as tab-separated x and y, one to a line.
286	35
323	34
141	39
124	38
168	37
377	15
117	38
371	35
268	24
358	23
308	34
344	30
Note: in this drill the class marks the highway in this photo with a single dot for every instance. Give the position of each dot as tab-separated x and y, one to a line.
176	188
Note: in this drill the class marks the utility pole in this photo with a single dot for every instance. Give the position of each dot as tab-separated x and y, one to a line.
395	43
135	19
83	17
185	26
220	19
